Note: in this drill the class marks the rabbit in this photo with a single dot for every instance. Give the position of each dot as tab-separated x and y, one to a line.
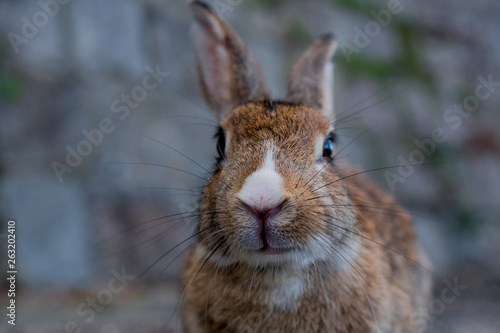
288	239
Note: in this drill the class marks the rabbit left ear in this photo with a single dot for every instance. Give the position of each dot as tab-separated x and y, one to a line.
311	79
229	74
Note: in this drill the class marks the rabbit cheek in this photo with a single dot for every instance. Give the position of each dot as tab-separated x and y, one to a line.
340	228
327	219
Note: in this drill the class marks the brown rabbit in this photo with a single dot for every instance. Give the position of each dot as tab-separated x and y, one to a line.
288	240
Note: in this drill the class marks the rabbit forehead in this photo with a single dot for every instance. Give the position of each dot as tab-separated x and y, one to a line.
275	121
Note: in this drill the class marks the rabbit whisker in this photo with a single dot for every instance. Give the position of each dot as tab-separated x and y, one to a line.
169	189
198	267
343	112
355	273
332	158
182	154
367	171
176	116
180	215
374	241
167	167
355	113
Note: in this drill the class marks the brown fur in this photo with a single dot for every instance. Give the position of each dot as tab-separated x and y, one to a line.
355	258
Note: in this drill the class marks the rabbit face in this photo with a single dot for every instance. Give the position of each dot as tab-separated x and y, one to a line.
267	203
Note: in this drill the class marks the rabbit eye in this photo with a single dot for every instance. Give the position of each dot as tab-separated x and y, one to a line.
329	146
221	144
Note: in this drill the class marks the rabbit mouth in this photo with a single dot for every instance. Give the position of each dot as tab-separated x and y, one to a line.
269	250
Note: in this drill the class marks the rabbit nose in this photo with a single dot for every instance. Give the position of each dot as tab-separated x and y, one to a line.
264	213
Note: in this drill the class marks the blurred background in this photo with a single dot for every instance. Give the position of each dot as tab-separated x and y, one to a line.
91	91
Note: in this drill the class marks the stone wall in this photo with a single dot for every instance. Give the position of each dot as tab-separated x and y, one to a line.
73	70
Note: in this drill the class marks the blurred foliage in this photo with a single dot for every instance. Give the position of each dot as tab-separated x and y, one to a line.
298	33
469	221
408	61
444	153
11	87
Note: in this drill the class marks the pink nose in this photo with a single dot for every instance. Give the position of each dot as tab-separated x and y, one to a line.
263	214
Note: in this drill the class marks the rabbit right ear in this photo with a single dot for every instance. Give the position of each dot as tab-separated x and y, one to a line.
229	74
311	79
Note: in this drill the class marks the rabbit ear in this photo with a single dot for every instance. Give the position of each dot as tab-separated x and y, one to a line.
311	79
229	74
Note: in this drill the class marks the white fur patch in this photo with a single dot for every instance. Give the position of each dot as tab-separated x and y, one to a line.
262	189
286	292
318	146
318	152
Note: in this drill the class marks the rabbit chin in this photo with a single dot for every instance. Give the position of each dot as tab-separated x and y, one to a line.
338	257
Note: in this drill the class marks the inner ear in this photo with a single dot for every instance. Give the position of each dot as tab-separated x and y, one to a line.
311	79
229	73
